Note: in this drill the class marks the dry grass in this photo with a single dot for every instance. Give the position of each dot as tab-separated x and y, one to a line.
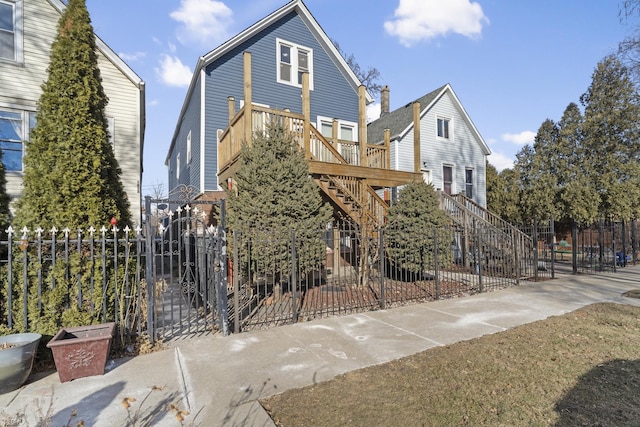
579	369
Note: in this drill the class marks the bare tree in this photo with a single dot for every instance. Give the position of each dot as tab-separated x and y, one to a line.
369	77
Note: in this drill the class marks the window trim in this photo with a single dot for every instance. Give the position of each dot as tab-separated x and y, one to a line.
449	128
453	178
18	32
469	184
322	119
295	69
26	122
189	148
178	166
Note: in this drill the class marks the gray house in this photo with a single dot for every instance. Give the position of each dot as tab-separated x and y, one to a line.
283	46
27	30
453	154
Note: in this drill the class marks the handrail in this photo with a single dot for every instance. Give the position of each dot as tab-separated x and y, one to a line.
322	150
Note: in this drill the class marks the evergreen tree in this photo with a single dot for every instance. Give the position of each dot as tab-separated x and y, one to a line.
537	174
577	199
612	140
410	231
5	199
502	197
275	197
71	176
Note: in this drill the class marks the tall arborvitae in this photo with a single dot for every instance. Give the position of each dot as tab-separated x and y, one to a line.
71	176
612	140
5	199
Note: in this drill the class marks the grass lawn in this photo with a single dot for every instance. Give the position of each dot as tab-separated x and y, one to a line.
578	369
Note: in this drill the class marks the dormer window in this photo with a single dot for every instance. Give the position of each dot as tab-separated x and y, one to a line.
293	61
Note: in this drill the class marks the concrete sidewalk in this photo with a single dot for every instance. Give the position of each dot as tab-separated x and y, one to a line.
219	379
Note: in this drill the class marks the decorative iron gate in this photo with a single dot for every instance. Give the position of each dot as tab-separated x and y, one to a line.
186	267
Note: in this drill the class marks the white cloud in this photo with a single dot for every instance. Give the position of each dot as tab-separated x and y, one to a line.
500	161
132	56
417	20
205	22
173	72
522	138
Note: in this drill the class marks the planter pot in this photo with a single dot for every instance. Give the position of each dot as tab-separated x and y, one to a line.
17	352
82	351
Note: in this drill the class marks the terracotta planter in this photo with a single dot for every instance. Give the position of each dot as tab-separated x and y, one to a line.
16	360
82	351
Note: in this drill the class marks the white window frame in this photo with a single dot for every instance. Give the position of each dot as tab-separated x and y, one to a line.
295	68
341	124
467	184
27	122
178	166
449	128
453	177
18	53
189	148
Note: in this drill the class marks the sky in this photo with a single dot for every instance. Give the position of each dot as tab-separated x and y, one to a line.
512	64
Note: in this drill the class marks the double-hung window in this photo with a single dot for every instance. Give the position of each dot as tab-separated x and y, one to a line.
447	179
14	133
443	128
347	132
293	61
468	183
11	30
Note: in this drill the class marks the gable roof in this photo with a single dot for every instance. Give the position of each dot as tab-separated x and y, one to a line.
400	121
296	6
293	6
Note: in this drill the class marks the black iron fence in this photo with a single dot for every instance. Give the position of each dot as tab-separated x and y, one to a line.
184	276
276	278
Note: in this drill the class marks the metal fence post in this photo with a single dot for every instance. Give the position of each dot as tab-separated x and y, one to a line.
435	261
151	283
382	261
294	277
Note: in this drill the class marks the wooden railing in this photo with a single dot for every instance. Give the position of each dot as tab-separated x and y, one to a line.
368	204
321	149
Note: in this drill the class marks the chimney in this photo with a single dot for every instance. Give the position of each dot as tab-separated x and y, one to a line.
384	100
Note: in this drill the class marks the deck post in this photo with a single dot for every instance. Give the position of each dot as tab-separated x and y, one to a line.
248	124
306	112
231	106
387	149
334	132
362	124
416	137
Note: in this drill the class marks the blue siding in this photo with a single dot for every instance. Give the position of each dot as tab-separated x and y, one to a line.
332	95
189	171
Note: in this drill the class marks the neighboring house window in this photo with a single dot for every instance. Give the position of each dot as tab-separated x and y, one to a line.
443	128
178	166
468	183
293	61
189	147
11	30
14	133
447	179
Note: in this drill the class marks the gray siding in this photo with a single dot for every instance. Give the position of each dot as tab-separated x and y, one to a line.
332	96
462	151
